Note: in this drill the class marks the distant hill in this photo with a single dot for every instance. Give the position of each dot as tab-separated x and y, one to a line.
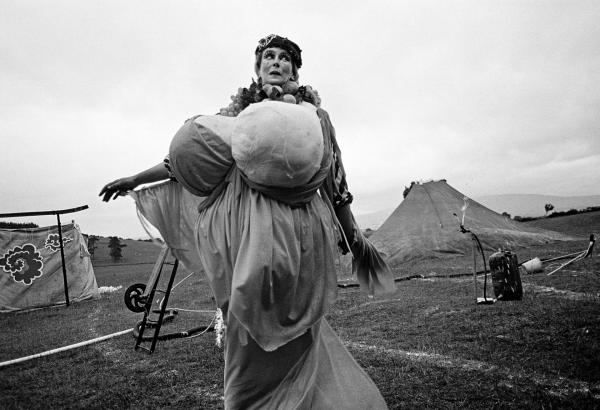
514	204
374	219
533	205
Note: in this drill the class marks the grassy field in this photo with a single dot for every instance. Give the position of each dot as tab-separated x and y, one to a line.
427	346
580	224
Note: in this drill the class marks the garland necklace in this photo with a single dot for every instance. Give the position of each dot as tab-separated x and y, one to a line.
290	92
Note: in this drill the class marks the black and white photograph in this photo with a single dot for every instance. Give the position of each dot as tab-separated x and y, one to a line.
247	205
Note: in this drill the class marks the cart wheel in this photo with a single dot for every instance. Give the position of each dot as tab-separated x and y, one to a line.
133	299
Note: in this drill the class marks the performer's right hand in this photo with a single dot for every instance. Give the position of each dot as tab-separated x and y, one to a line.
116	188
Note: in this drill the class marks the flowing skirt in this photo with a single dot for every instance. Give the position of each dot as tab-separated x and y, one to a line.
272	270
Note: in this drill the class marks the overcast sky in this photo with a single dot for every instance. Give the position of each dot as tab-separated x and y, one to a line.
494	96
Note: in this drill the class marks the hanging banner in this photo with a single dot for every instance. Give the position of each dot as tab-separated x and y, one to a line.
31	267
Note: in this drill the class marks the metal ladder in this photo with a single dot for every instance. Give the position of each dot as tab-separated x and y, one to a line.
147	298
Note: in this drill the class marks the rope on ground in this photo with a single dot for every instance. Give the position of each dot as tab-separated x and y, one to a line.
64	348
127	264
208	328
346	285
192	310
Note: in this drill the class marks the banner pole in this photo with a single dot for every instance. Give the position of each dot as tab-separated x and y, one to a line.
62	257
474	265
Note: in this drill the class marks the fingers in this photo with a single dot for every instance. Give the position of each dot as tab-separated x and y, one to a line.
113	190
107	195
120	192
108	187
106	192
113	194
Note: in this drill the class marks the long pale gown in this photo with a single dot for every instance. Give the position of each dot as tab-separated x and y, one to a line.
271	266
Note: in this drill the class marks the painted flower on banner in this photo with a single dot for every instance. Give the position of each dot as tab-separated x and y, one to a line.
53	242
24	263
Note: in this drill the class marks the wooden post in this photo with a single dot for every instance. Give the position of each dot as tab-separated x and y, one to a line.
474	265
62	257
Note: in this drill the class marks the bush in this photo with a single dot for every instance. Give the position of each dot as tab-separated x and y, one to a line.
569	212
524	218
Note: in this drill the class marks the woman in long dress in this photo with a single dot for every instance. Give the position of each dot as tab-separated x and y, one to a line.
271	221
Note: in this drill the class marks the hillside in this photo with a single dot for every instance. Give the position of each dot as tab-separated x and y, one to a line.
533	205
514	204
588	222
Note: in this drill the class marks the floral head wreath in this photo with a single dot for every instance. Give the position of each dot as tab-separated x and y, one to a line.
257	92
273	40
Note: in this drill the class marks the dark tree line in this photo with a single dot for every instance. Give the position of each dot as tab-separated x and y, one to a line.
17	225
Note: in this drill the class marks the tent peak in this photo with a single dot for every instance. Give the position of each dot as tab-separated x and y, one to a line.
426	225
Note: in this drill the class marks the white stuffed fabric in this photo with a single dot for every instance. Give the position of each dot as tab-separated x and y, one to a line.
278	144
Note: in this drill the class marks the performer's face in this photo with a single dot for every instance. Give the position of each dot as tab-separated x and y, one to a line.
275	66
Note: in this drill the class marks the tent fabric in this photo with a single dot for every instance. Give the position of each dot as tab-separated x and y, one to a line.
31	274
426	225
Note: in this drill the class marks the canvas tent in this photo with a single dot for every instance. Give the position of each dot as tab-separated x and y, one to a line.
424	226
31	272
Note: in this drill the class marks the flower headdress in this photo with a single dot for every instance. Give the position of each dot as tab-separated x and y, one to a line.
273	40
290	92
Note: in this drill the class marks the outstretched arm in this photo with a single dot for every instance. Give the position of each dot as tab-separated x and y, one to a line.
371	270
120	186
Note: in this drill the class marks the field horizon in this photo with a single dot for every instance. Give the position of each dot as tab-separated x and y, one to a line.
524	205
429	345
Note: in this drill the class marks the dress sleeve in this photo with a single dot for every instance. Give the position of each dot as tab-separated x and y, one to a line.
341	194
336	186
